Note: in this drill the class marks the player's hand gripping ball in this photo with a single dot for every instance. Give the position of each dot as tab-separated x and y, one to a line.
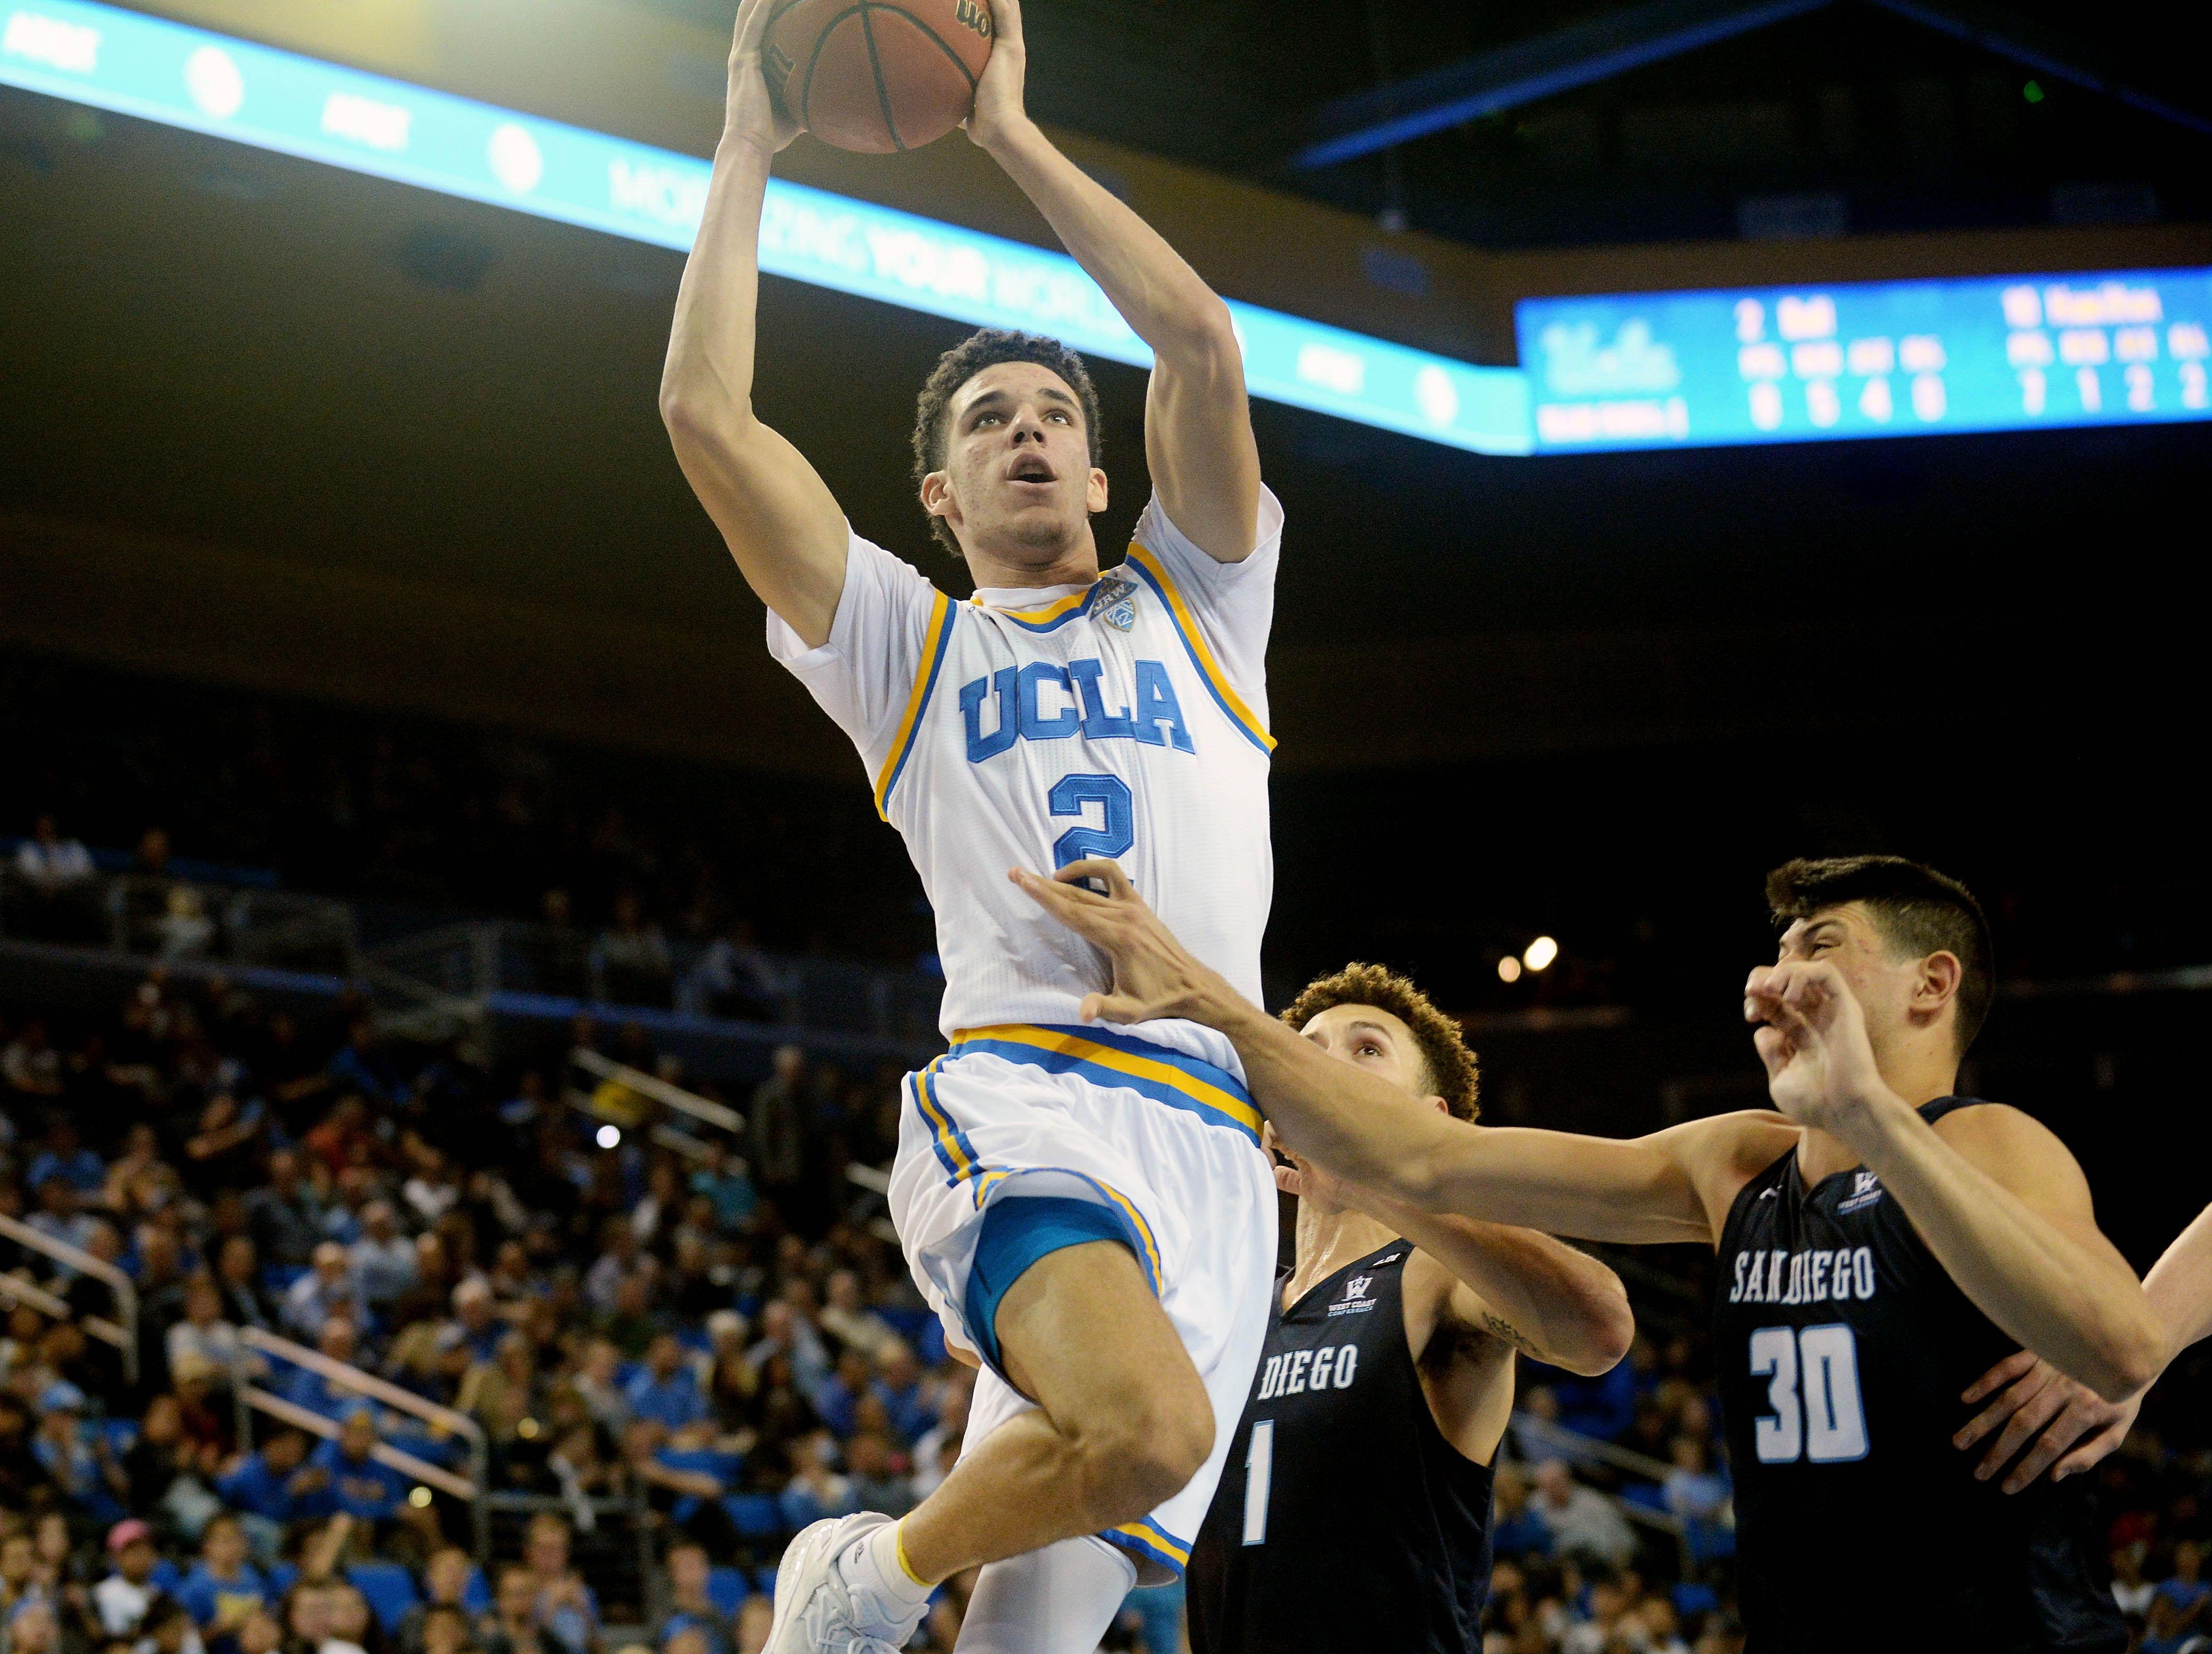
877	75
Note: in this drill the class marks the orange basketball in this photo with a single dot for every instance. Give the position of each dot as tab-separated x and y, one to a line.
877	75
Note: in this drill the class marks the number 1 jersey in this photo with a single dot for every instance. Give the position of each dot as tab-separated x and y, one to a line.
1124	719
1842	1349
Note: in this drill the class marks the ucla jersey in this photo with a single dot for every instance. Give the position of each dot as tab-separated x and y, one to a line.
1124	719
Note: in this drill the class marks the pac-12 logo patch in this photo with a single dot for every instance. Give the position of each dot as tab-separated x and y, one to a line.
1117	603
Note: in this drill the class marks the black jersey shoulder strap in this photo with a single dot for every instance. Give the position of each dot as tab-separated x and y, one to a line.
1770	1176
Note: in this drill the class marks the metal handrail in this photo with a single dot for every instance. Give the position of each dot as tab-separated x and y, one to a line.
75	1257
383	1452
661	1091
1572	1444
14	1289
403	1400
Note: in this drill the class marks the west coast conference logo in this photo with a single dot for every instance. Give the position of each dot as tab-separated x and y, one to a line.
1355	1301
1866	1189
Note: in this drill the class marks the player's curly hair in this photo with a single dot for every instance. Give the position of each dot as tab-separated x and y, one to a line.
1453	1072
1917	910
987	347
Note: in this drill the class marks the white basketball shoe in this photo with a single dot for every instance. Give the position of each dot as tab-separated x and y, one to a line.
819	1608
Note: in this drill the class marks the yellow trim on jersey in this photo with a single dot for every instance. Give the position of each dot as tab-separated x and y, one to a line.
1151	1537
1095	1054
1201	656
933	640
1044	615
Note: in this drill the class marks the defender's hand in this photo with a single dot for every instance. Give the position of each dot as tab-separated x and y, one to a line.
999	110
751	115
1302	1177
2030	1395
1154	976
1820	1069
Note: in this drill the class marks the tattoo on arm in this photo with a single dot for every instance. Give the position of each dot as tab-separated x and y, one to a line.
1500	1328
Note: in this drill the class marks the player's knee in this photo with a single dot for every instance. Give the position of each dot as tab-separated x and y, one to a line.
1149	1450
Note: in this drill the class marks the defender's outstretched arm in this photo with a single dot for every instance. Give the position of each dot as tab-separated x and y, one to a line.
1389	1147
1198	426
777	516
1994	1195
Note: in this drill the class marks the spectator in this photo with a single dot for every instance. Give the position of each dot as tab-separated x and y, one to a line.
64	1154
598	1382
567	1608
2185	1587
774	1126
33	1627
383	1258
204	1333
269	1488
689	1607
666	1391
501	1393
59	886
326	1292
476	1329
722	1178
225	1589
32	1068
874	1483
306	1387
1694	1492
120	1601
359	1484
734	979
847	1318
362	1068
937	1448
444	1629
629	962
238	1284
900	1388
446	1584
2130	1589
513	1626
284	1216
838	1399
1581	1520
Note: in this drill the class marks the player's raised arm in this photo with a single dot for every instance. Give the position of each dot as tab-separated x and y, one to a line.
1996	1197
1198	428
1666	1187
777	516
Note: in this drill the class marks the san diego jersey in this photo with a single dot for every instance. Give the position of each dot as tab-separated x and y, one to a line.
1125	719
1842	1349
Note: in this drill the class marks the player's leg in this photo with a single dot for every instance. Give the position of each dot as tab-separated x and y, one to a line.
1122	1420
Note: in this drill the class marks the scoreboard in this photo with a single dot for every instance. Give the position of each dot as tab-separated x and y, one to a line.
1869	359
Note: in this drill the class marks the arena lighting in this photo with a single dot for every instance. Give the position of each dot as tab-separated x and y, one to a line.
1868	359
608	1136
1540	954
1508	969
188	77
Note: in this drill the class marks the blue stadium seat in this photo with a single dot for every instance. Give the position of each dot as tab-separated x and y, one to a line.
476	1596
764	1580
167	1576
1649	1495
281	1577
390	1590
726	1588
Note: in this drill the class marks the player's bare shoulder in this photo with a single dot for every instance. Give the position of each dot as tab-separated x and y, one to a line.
1722	1153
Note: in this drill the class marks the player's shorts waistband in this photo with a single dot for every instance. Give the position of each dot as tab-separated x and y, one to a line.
1104	1058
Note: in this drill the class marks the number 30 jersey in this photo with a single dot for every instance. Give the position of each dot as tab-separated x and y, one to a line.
1842	1349
1033	728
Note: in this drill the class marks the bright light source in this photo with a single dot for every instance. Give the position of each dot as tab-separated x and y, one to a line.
609	1136
1508	969
420	1499
1541	952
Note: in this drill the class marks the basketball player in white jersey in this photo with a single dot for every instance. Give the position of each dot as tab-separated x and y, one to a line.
1087	1211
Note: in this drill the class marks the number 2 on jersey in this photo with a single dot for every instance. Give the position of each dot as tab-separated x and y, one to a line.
1072	795
1823	1362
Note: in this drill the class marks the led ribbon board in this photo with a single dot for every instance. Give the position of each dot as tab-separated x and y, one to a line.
1871	359
187	77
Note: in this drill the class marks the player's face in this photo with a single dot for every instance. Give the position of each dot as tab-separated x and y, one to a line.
1375	1040
1018	483
1847	937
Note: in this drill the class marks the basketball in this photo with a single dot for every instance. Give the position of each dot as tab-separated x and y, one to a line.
874	76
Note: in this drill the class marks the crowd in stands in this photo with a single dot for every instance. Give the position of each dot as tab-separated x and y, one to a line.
631	855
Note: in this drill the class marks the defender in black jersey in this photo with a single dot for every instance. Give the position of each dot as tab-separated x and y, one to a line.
1910	1240
1355	1512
